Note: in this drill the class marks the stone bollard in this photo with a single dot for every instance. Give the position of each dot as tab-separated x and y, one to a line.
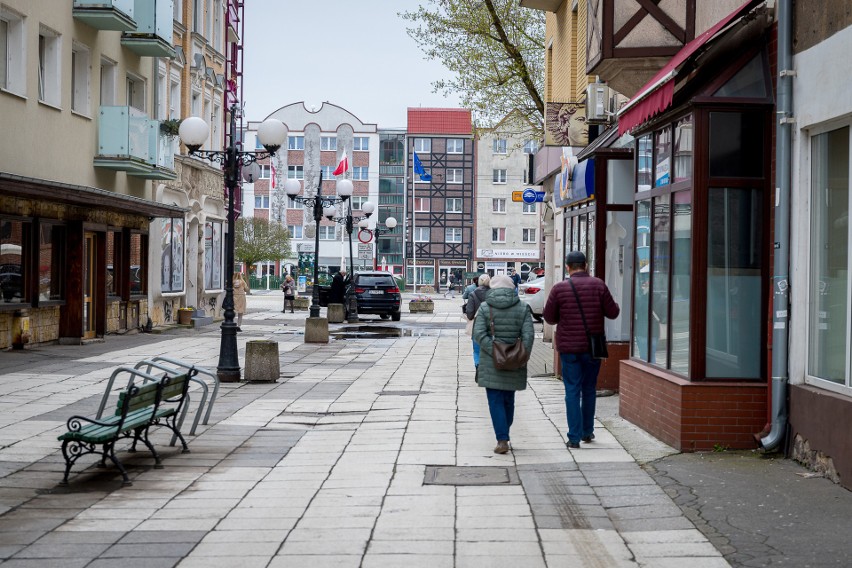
336	313
262	365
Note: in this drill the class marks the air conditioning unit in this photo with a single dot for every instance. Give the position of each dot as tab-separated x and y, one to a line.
598	103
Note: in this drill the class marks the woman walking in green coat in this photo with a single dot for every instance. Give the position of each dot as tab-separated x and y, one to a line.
512	319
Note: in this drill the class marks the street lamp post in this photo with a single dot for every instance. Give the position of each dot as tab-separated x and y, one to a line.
321	207
376	232
348	222
193	133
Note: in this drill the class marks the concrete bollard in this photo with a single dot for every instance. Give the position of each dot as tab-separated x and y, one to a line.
316	330
336	313
262	364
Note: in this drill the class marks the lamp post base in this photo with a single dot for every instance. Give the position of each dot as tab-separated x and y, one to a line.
316	330
228	375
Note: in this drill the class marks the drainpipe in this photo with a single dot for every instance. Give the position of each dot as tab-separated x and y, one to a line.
780	281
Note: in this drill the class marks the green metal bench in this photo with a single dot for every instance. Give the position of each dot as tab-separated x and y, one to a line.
139	407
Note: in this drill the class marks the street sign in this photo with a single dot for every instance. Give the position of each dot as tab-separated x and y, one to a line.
365	247
365	255
528	195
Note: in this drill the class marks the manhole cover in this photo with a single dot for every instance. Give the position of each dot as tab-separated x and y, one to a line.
401	393
470	475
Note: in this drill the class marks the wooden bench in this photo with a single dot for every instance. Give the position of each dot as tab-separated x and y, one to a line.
153	403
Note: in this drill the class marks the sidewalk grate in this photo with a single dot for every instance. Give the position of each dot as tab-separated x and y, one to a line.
401	393
470	475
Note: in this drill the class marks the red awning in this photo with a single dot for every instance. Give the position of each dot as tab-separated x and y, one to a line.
656	95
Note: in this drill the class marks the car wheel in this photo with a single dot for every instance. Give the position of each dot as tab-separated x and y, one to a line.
396	315
384	316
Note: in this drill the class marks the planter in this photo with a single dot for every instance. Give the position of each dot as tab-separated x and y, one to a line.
425	307
184	315
302	303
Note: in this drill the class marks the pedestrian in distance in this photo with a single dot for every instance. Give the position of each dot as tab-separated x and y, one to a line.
502	317
240	288
451	286
289	289
516	279
579	369
338	288
474	284
474	300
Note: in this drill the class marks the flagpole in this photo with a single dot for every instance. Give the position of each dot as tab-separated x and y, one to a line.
413	226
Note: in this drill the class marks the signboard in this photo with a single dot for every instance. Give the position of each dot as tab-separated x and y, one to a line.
365	247
565	124
507	253
365	255
528	195
305	247
472	275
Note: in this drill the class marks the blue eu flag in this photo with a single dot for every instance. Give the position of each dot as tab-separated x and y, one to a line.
418	169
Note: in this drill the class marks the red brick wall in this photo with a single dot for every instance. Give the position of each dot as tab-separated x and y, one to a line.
692	416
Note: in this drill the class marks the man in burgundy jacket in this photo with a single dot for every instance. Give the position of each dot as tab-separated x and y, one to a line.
579	370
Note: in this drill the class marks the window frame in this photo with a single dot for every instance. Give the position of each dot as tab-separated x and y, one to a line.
360	143
360	173
294	171
452	144
419	232
328	144
528	235
499	176
49	67
296	142
81	79
454	201
14	78
498	235
500	146
425	146
455	175
498	205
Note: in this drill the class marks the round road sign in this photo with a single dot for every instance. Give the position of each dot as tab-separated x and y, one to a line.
529	195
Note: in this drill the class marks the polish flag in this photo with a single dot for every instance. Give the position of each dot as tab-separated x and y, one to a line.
272	174
342	166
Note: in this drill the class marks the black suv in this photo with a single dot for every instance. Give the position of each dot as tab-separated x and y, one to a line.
377	293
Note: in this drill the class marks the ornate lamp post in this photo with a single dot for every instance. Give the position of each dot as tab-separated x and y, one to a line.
193	133
323	207
376	232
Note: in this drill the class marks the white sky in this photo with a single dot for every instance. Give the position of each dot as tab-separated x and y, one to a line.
354	54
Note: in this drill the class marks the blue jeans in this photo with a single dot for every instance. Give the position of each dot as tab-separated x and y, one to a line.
501	404
475	354
580	377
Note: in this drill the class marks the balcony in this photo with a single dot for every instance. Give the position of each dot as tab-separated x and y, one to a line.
629	41
114	15
154	25
129	141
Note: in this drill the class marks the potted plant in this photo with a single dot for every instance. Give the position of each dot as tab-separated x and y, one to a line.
170	126
184	315
421	304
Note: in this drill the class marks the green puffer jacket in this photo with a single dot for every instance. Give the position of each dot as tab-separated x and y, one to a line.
512	319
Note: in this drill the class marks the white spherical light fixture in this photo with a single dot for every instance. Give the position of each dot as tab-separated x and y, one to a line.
271	133
292	187
344	188
390	222
193	132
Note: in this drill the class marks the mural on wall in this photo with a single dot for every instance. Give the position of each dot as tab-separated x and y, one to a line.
565	124
213	255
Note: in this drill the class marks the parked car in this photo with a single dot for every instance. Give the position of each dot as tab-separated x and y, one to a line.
532	293
377	293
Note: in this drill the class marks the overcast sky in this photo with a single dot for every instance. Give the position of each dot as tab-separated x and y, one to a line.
354	54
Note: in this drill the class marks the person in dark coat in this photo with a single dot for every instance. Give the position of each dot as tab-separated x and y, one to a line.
579	369
474	300
338	288
512	319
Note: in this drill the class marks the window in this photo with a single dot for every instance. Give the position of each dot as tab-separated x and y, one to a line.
498	176
453	235
421	234
531	147
327	232
683	149
423	145
174	96
137	269
644	152
498	235
109	76
293	204
217	25
172	255
216	139
295	142
455	175
662	157
421	204
528	235
178	10
328	144
455	146
361	173
136	93
12	31
498	205
453	205
261	202
213	255
80	78
360	144
529	208
113	260
736	144
265	171
499	146
295	231
51	245
358	201
49	68
327	174
197	14
828	326
12	263
295	172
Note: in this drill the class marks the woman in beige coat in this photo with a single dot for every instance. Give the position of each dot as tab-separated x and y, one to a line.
240	289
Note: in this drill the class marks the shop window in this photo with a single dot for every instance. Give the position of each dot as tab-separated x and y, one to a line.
12	276
683	144
662	157
618	271
425	275
736	144
680	283
113	260
51	261
645	331
590	243
644	155
661	245
213	255
172	255
828	330
734	299
138	266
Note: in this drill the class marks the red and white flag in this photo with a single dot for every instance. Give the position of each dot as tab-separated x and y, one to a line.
342	166
272	174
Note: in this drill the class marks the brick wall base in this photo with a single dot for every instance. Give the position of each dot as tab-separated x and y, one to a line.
692	416
819	427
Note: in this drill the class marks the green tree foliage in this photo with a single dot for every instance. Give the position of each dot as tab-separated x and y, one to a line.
257	240
495	48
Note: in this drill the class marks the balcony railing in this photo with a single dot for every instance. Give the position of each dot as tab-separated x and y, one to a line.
114	15
130	141
154	27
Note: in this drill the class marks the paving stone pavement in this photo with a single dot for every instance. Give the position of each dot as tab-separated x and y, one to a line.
327	466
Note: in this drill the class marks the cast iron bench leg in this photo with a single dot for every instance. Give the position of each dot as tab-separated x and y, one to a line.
117	463
144	437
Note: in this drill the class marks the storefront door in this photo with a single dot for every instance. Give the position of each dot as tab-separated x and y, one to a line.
89	256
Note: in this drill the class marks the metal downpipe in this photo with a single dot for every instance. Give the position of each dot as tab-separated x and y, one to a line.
780	281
